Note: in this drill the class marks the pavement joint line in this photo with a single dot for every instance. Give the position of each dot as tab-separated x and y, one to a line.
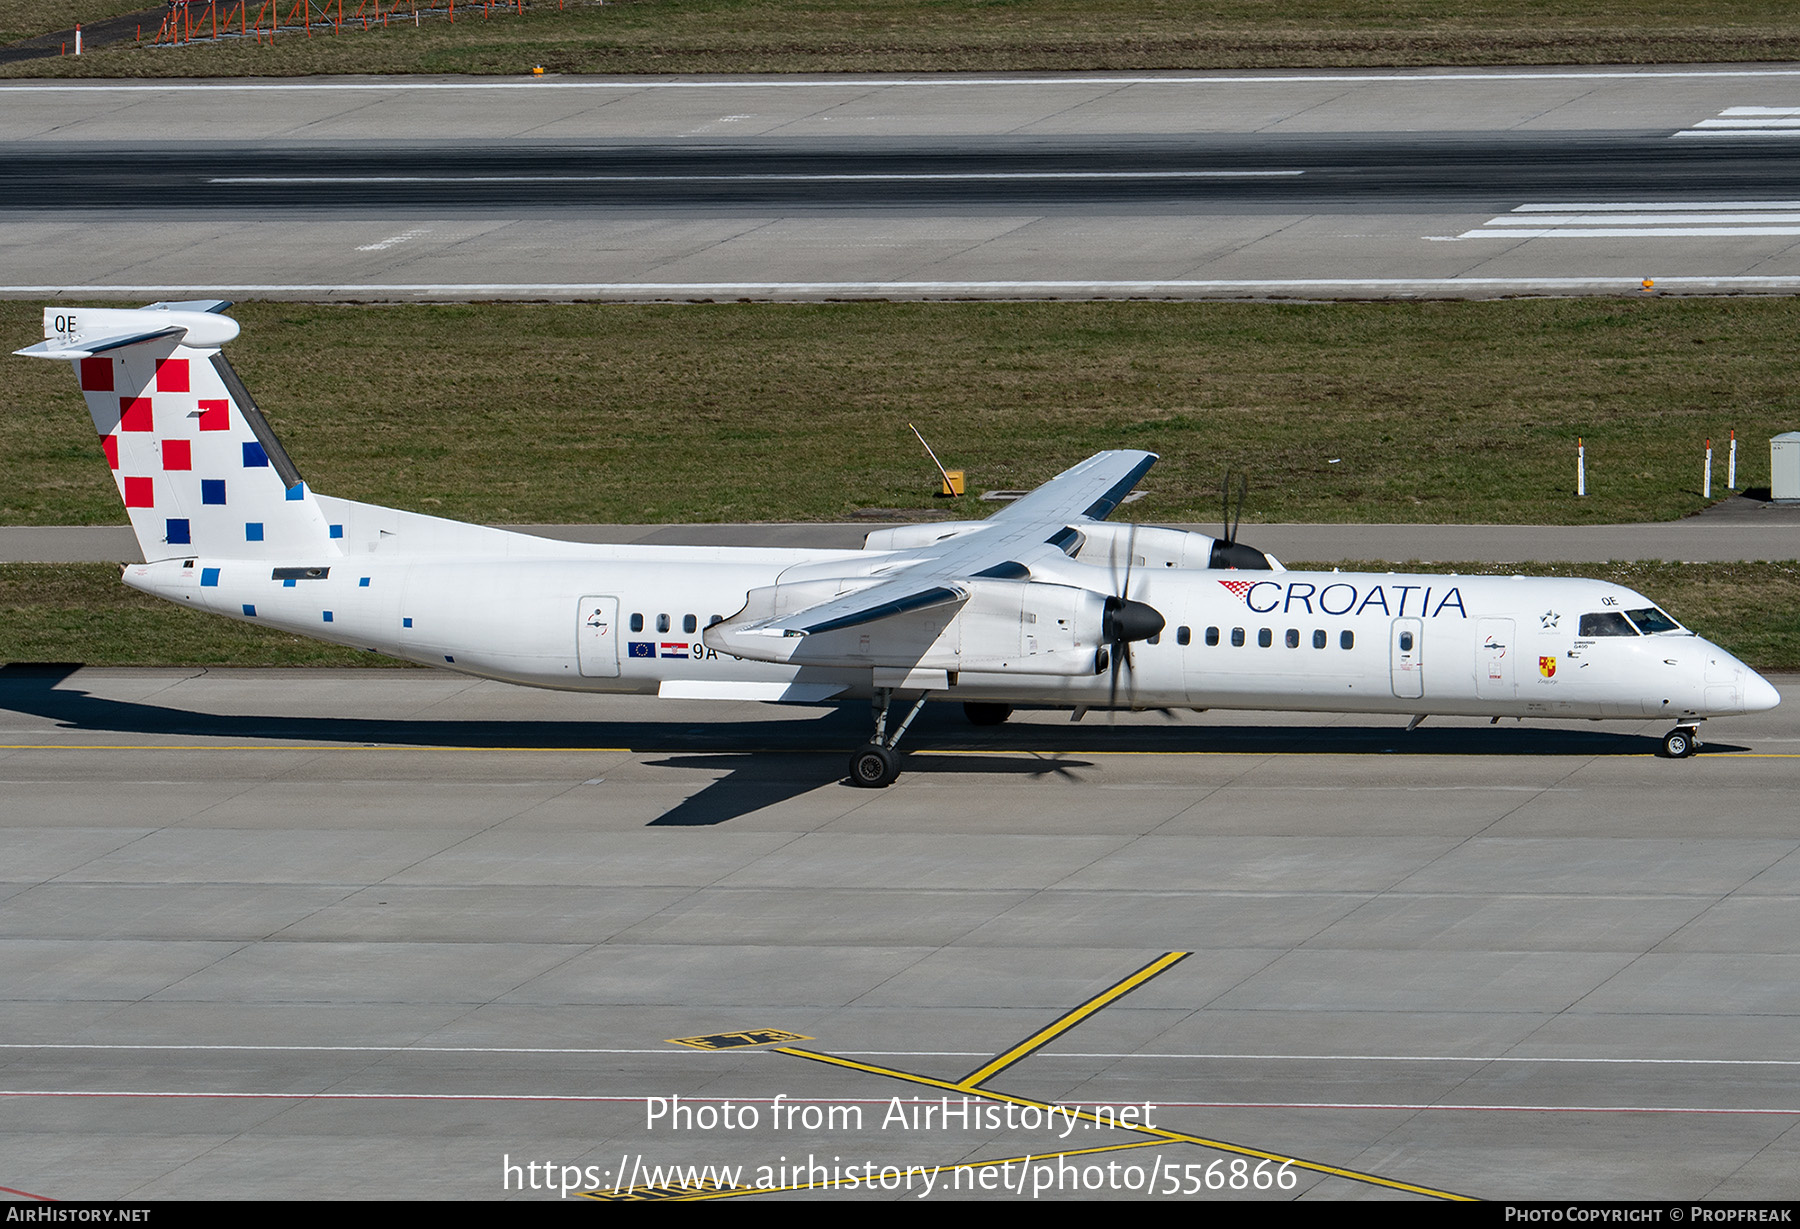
1163	1136
1160	1133
1069	1020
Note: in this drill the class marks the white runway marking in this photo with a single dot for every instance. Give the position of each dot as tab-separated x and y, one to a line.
394	240
883	177
1748	122
1640	220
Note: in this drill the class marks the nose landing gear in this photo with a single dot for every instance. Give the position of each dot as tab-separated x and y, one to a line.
876	764
1681	742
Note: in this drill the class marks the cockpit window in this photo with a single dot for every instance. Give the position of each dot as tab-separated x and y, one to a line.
1606	623
1650	621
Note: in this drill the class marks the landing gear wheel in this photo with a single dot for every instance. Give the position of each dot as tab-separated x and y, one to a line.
986	714
1680	743
874	767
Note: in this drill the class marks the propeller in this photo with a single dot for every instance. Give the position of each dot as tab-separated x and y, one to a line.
1227	552
1123	621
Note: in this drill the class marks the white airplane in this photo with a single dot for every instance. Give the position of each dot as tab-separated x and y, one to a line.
1043	604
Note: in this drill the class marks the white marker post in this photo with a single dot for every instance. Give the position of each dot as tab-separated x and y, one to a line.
78	38
1580	467
1731	463
1706	485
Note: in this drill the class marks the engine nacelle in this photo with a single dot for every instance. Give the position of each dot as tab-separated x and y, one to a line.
1106	545
1150	546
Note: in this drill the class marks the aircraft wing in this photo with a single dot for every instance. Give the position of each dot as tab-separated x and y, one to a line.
1089	491
936	577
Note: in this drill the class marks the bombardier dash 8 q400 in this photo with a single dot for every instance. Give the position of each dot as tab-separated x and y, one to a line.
1043	604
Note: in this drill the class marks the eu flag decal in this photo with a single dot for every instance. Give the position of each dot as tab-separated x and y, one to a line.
641	648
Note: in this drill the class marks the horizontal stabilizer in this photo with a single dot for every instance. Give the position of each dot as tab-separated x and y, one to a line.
82	332
87	347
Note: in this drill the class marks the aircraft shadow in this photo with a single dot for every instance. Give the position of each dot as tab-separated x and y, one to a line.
770	762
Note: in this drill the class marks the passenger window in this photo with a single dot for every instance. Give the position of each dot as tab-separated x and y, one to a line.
662	623
1606	623
1293	638
1346	640
1319	638
1265	638
1212	636
637	622
1182	635
1237	637
1406	641
712	619
690	624
1156	639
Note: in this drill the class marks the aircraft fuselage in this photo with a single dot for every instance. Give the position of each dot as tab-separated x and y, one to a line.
633	619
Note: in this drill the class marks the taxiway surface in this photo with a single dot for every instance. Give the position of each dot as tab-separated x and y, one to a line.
1361	184
314	934
1733	530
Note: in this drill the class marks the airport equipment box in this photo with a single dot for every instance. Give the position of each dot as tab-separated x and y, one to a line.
1784	466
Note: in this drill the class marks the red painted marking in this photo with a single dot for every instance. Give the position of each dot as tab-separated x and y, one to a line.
140	493
177	454
134	414
215	415
172	376
10	1190
109	444
96	375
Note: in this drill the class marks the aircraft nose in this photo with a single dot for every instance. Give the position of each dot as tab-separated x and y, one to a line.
1759	694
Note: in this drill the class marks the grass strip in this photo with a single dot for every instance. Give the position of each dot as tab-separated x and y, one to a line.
817	36
1435	412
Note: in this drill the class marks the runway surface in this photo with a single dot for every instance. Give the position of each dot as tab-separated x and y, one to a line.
1365	184
316	934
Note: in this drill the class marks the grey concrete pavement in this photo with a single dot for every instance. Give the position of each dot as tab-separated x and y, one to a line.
1766	533
314	934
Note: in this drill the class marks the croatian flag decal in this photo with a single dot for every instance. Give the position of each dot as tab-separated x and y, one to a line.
674	648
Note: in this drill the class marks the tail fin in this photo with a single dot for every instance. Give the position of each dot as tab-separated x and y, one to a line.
199	469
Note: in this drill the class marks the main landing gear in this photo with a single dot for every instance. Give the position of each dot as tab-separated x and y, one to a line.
1681	742
877	764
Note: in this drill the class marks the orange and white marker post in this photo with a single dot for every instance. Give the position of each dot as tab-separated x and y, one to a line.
1580	467
1731	463
1706	484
